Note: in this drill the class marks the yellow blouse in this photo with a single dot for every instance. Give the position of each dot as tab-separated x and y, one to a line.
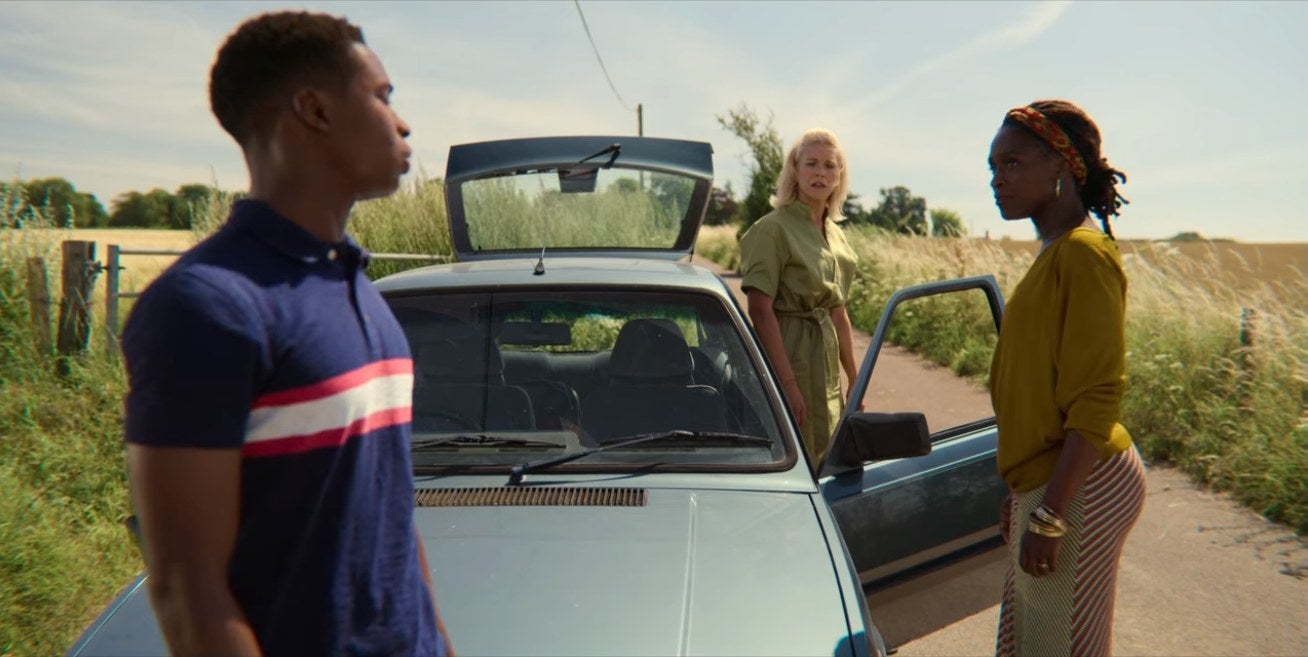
786	257
1061	359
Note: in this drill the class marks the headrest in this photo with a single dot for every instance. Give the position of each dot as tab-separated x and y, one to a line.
466	360
528	366
650	349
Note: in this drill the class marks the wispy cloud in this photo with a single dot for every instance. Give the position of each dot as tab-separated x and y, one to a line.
112	95
1039	18
100	68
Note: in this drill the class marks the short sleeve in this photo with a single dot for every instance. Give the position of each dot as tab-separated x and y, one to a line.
763	255
194	354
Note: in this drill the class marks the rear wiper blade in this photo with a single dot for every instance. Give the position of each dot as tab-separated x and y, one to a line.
613	151
480	439
515	475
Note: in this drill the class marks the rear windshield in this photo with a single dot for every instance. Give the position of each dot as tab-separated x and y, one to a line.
617	208
542	373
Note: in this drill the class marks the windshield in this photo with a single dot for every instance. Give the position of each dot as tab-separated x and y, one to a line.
611	208
503	378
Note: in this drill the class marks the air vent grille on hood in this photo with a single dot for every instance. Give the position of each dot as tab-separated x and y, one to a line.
519	496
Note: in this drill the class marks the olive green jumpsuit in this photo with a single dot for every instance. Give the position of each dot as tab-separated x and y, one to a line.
786	257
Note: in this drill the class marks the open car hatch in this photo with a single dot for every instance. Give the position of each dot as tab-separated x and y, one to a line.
616	195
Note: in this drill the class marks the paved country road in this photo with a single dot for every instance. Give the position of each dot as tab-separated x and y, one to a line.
1201	575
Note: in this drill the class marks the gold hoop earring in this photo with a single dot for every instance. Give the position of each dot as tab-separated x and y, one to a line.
1058	188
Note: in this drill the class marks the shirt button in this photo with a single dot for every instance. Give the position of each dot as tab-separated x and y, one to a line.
331	254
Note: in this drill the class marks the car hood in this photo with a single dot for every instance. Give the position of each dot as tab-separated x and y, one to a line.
690	572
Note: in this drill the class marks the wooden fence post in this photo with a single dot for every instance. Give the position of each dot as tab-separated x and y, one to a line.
79	270
38	301
1245	360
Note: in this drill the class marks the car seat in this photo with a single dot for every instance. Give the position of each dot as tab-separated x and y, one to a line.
651	388
459	386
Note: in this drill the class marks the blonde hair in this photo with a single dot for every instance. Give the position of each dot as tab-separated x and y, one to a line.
788	181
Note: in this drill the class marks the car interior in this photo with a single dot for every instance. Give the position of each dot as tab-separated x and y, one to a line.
603	365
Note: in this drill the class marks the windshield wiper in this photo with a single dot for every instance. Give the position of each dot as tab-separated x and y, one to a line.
480	439
515	475
612	150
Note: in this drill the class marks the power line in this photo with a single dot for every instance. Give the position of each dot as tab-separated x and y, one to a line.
600	59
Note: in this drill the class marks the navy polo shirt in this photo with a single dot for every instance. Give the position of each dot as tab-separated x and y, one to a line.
267	340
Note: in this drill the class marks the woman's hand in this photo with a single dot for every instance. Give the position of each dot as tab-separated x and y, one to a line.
795	399
1039	554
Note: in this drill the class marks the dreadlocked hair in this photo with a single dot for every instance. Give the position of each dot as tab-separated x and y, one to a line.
1099	192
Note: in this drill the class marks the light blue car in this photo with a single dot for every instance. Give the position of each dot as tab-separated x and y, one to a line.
603	459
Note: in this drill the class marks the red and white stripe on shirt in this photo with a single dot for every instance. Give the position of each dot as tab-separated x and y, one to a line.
330	413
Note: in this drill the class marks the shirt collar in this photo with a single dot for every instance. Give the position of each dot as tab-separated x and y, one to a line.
801	211
291	240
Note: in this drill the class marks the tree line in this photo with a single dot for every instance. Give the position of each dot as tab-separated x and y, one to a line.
61	204
898	210
57	202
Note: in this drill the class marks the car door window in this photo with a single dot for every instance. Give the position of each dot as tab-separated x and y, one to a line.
930	354
935	360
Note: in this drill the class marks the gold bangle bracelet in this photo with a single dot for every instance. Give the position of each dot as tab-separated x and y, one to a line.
1047	514
1043	527
1043	530
1048	517
1056	523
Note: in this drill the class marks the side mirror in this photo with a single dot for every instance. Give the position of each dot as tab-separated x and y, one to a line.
865	437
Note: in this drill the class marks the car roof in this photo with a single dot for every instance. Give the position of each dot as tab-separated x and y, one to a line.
481	159
589	272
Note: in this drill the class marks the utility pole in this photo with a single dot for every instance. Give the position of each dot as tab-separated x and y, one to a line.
640	132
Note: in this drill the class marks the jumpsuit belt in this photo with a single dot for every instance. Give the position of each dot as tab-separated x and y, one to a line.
816	315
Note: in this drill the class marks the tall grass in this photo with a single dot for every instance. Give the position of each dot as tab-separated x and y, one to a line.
411	221
1221	397
1219	380
63	548
504	215
64	551
1217	363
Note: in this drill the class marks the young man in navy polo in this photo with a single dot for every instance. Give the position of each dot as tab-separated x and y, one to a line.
267	423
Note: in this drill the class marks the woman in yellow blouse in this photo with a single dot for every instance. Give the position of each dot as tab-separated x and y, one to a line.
796	268
1076	480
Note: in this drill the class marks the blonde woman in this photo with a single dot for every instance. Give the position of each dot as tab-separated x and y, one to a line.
796	268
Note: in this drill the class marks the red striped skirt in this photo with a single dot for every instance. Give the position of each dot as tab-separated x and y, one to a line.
1070	612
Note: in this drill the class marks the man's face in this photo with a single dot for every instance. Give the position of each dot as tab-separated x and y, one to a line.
368	137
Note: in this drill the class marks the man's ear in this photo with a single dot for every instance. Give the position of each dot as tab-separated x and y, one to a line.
310	109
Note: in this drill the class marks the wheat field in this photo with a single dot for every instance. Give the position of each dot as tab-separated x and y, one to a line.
1238	263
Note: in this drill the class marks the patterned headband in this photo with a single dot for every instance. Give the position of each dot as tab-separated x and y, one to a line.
1053	135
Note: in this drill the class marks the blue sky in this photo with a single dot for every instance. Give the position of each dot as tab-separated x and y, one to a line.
1203	104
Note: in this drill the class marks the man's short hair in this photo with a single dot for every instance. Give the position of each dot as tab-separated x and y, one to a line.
271	54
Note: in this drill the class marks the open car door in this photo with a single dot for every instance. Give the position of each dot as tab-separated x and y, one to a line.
897	514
